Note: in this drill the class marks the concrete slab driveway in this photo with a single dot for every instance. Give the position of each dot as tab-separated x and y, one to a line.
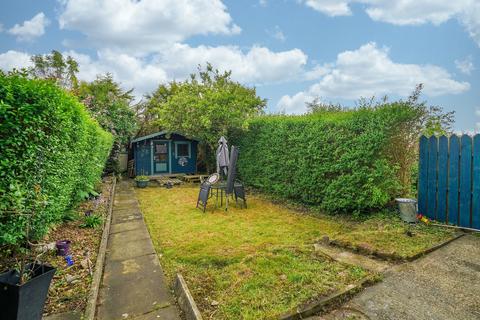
443	285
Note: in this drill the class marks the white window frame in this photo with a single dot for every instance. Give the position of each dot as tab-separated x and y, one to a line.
189	149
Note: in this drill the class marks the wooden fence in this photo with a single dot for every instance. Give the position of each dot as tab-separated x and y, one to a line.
449	179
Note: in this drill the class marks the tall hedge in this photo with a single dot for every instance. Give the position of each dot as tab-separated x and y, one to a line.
340	161
52	155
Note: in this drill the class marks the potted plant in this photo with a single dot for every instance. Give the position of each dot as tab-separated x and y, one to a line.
142	181
24	289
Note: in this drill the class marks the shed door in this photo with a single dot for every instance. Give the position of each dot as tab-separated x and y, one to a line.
160	157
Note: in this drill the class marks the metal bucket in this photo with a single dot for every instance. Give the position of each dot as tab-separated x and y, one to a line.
408	209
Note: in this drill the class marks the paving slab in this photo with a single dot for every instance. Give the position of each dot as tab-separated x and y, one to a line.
442	285
348	257
127	226
132	216
168	313
64	316
133	285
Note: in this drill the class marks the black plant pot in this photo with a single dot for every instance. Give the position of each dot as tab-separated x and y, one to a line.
26	301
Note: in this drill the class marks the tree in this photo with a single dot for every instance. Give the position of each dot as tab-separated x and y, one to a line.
55	67
111	106
205	106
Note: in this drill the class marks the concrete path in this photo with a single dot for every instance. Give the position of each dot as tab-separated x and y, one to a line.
348	257
133	285
443	285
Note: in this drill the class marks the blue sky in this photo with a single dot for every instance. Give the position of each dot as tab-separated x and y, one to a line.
291	50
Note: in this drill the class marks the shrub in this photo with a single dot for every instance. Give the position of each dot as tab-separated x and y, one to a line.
339	160
52	152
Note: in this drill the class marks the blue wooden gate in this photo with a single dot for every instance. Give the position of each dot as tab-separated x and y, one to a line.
449	180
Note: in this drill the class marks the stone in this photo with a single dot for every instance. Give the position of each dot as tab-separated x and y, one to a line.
71	279
51	246
214	303
326	240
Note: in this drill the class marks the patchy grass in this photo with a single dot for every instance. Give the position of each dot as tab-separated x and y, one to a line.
258	262
387	234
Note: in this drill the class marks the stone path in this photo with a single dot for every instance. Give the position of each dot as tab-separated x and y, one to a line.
443	285
133	285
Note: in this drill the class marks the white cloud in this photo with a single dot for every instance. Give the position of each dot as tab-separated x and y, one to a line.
369	71
30	29
14	59
277	33
294	104
409	12
147	25
263	3
1	27
330	7
258	65
130	71
465	65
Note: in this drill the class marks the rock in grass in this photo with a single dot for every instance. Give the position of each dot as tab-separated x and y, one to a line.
214	303
326	240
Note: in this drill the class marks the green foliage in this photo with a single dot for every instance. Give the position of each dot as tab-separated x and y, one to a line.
339	160
93	221
111	107
55	67
206	108
51	150
142	178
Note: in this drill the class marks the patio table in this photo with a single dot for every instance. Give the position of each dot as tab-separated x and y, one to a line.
221	188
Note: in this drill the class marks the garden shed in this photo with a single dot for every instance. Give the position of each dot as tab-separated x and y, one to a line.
163	153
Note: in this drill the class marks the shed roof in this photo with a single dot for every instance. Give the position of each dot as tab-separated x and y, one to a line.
153	135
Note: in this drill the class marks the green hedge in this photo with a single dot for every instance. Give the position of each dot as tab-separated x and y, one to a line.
52	155
339	161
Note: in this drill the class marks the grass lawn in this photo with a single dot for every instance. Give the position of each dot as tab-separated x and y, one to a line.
259	262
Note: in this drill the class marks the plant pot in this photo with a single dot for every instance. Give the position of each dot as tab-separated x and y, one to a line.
26	301
142	184
63	247
408	209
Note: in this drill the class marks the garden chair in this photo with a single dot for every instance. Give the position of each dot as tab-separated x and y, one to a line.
205	190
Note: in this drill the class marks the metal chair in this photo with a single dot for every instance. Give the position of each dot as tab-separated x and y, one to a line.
205	190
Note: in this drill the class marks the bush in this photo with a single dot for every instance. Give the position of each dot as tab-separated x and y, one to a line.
53	154
339	160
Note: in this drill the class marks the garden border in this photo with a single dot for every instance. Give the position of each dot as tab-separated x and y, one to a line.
91	308
391	256
323	303
185	299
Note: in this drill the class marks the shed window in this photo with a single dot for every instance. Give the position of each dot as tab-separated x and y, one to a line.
182	149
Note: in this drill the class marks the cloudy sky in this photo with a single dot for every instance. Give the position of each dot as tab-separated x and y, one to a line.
291	50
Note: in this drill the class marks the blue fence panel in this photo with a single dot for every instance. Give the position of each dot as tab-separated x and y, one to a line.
423	175
476	183
432	177
441	214
465	181
453	178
